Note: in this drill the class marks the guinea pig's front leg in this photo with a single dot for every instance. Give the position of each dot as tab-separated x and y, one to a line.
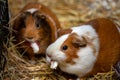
31	56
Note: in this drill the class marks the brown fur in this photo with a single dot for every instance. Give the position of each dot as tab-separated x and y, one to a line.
109	37
63	31
25	25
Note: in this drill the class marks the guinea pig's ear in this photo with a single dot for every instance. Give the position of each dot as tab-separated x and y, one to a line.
19	21
48	19
79	41
53	27
39	15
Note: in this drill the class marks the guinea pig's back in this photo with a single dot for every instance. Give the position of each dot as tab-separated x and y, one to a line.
109	38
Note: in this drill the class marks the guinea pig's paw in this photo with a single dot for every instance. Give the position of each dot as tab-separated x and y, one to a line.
54	64
35	47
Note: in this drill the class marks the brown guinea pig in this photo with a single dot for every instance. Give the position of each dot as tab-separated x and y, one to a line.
87	49
35	28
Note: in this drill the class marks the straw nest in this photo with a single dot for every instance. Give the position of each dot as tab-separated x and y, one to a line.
70	13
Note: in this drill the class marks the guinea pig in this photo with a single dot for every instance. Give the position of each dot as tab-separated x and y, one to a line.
86	49
35	27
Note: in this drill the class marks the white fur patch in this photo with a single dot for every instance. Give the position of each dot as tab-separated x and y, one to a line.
83	64
32	10
35	47
54	64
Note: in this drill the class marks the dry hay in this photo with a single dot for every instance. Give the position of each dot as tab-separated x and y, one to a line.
70	13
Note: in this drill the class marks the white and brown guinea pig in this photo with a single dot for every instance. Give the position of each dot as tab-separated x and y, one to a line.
87	49
36	27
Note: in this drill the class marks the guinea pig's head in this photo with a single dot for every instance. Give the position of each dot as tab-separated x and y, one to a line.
31	26
66	48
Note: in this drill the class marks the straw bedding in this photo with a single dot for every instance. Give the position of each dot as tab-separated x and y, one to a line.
70	13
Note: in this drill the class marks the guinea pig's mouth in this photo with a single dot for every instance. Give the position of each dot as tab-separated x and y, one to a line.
34	45
30	40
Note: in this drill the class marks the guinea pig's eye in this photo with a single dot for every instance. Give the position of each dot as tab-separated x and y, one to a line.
22	24
38	25
65	47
